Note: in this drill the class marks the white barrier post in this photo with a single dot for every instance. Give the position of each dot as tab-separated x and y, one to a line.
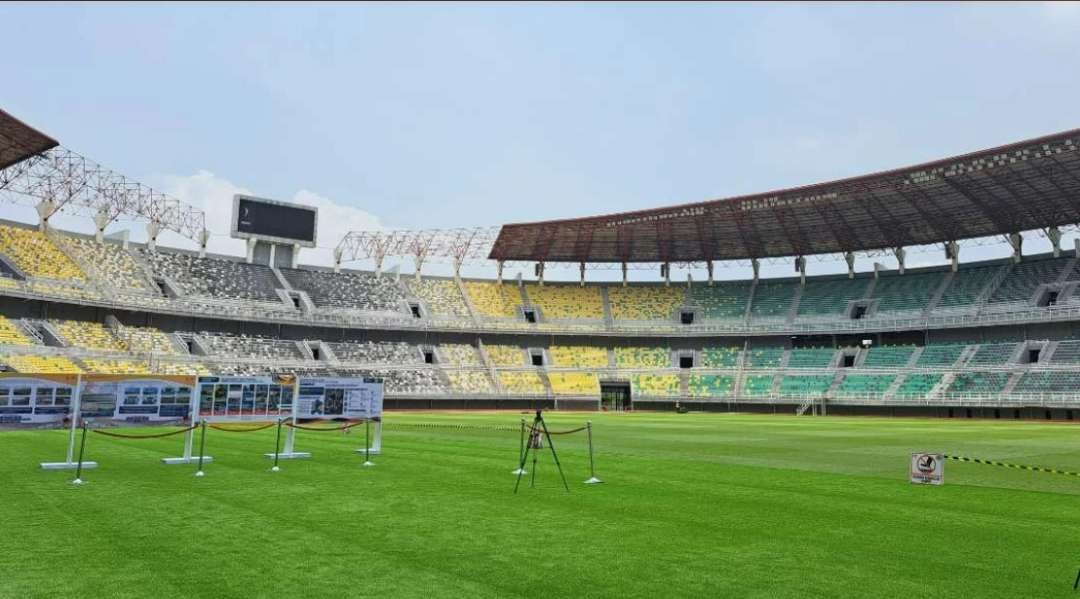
592	468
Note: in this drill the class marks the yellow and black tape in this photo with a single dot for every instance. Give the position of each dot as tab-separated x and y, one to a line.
1007	465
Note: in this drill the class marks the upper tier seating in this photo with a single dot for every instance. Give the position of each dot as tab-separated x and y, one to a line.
654	385
42	364
441	297
906	293
758	384
710	385
109	261
830	297
88	335
764	357
348	290
865	384
720	357
643	357
940	354
377	352
896	356
459	354
470	381
251	346
557	302
652	302
772	299
993	354
493	299
32	252
1026	277
571	356
816	384
1049	382
147	340
574	383
522	383
817	357
1067	352
505	355
724	300
917	385
966	285
214	277
66	289
11	334
978	382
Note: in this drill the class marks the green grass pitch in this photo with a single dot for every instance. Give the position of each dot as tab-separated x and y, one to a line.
692	506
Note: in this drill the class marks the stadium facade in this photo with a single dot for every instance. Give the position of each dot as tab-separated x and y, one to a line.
991	339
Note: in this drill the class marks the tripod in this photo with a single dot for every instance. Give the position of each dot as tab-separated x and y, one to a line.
535	444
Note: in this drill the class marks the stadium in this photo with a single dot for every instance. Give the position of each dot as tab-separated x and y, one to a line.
539	300
462	358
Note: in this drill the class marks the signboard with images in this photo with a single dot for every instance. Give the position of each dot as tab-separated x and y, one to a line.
244	397
349	398
927	468
37	399
137	398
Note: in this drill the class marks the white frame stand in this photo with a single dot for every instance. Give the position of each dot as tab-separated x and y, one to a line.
289	452
70	463
189	437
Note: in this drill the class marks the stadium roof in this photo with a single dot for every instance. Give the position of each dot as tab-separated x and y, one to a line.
1024	186
19	141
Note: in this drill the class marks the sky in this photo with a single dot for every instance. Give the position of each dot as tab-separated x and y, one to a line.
459	115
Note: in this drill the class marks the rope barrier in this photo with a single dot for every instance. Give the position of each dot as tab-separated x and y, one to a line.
1007	465
324	429
157	436
246	429
478	427
571	431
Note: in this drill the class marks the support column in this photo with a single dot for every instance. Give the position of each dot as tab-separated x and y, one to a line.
337	260
1054	235
581	266
1016	240
709	266
418	261
849	257
877	269
800	266
251	250
952	253
457	267
101	220
45	210
204	240
153	228
900	254
665	271
540	273
756	265
498	271
624	271
295	256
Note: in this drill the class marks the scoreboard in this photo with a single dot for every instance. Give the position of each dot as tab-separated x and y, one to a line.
273	221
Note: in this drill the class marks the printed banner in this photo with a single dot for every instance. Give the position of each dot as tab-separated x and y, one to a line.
335	397
137	398
244	397
38	399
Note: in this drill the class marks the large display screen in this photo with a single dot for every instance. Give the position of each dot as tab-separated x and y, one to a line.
272	220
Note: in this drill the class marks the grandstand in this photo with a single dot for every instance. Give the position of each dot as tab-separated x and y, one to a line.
988	333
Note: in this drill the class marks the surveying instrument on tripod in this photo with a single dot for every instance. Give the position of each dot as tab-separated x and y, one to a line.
537	434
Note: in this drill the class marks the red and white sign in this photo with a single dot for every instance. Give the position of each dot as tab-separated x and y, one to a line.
927	468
